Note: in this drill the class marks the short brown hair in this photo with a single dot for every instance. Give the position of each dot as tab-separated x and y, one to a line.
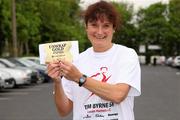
102	9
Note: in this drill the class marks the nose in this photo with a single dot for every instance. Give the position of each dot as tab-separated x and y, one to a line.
99	30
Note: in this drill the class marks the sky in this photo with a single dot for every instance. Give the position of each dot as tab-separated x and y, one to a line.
137	3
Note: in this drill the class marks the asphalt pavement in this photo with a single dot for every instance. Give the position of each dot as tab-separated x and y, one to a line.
160	99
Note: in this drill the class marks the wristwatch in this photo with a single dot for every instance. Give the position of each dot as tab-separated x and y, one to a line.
82	80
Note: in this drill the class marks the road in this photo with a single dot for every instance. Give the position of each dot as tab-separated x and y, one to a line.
29	103
160	99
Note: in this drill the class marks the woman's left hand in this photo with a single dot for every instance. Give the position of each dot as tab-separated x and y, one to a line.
69	71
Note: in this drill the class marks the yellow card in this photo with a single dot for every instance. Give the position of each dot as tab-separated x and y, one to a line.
56	51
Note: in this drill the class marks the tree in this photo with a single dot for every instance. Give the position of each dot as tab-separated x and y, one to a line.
126	34
5	23
159	24
1	33
174	20
39	22
63	24
14	31
28	24
153	26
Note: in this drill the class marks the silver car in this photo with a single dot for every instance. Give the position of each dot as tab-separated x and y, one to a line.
21	77
6	80
176	61
35	77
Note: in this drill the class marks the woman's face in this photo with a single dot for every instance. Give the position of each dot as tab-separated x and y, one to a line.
100	34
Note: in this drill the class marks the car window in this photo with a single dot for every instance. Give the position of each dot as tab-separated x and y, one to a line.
2	65
8	63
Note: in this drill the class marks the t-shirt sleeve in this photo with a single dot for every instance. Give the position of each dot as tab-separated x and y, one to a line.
130	73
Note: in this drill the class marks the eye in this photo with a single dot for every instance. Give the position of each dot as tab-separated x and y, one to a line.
107	25
93	24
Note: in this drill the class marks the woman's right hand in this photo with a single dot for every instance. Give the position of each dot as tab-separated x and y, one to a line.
54	70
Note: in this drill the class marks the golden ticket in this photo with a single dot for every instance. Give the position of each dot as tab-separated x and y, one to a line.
49	52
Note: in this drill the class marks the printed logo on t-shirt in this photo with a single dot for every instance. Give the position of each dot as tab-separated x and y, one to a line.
103	75
97	108
100	110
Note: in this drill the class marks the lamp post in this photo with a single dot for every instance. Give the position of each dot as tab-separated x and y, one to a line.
14	33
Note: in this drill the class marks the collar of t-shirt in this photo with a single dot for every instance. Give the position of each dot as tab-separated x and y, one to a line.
104	54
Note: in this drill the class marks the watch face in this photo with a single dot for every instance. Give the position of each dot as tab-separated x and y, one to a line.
82	79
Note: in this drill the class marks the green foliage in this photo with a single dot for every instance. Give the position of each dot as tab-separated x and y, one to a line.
174	20
6	18
41	21
1	33
5	25
28	24
153	25
126	34
63	24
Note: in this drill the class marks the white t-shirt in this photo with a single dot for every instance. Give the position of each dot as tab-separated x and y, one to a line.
117	65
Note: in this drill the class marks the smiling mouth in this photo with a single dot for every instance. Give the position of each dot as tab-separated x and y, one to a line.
100	37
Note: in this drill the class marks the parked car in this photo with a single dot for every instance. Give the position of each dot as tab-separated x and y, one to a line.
21	77
30	64
40	67
35	77
33	64
32	58
6	80
169	61
176	61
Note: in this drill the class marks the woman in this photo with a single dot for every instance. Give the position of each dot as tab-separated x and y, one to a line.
102	82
